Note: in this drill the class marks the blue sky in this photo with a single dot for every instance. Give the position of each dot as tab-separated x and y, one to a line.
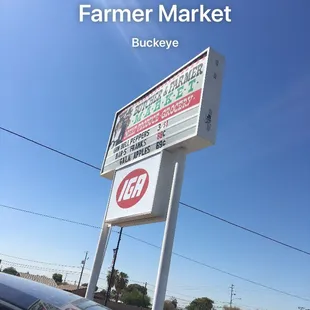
61	83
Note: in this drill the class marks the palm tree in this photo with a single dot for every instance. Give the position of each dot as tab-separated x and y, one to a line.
115	274
121	282
113	295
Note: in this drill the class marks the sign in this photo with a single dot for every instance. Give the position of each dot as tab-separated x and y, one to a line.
132	188
141	191
180	110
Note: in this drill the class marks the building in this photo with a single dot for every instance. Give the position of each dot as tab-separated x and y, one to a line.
37	278
73	289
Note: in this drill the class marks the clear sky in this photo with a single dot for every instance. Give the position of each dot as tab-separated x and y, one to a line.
61	83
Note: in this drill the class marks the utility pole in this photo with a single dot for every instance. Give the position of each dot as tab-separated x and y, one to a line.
83	266
113	267
231	295
144	293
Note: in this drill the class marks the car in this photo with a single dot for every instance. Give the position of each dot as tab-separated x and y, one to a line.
22	294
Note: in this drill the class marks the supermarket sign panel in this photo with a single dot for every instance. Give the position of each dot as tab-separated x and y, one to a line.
180	111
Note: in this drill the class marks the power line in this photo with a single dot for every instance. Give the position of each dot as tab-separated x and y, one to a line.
49	148
244	228
174	253
39	262
26	266
34	267
153	285
181	203
45	263
241	278
170	296
49	216
38	268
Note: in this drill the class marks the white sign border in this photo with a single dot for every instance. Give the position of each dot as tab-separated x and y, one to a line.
205	51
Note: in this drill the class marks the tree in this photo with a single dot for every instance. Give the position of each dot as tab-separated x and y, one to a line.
171	304
113	294
115	273
203	303
168	305
57	278
121	281
135	298
138	287
11	270
174	301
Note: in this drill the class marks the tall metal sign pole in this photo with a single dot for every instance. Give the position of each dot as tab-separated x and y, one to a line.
146	154
101	249
168	238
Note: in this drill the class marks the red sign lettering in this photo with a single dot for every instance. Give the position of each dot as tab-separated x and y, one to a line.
132	188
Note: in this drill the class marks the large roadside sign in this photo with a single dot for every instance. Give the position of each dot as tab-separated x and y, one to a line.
147	151
181	110
140	192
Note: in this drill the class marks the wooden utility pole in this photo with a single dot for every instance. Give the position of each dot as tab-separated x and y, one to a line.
144	293
113	267
231	295
83	266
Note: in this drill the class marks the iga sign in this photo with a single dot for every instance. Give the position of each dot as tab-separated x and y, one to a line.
132	188
140	192
179	111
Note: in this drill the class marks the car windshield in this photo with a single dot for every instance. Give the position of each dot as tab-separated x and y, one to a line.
84	304
32	292
41	305
79	304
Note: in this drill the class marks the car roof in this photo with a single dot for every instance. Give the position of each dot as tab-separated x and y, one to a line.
23	293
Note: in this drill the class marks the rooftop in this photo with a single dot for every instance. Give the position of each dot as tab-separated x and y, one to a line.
40	279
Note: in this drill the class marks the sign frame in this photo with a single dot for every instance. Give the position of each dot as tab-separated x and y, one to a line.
163	173
197	140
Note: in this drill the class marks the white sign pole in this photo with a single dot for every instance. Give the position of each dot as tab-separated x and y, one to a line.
100	253
167	244
101	249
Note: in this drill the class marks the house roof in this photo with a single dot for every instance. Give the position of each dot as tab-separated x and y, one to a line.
67	287
70	287
40	279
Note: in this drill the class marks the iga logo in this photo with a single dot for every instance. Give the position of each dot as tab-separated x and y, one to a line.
132	188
